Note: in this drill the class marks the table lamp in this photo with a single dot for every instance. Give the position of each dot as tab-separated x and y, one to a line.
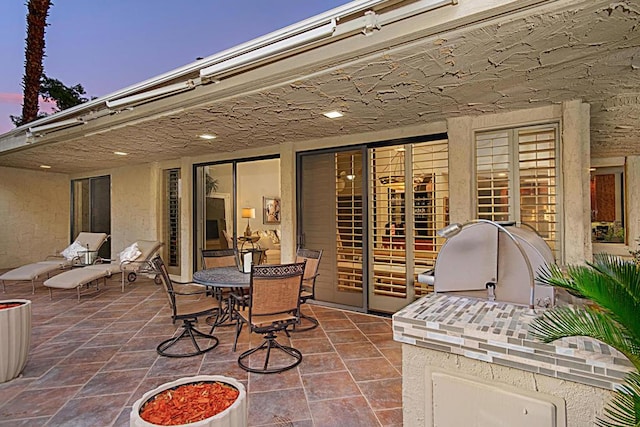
248	213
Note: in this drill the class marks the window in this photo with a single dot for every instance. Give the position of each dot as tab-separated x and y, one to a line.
522	162
607	205
171	219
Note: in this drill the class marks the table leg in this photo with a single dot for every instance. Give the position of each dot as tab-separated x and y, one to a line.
223	314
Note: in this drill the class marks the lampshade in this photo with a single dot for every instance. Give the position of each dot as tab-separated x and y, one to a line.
248	212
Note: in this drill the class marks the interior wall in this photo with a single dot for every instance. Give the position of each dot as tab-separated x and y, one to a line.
257	179
34	207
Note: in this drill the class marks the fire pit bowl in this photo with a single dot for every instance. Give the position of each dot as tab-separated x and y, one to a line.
232	416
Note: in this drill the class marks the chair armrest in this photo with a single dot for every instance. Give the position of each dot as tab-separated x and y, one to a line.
190	289
239	300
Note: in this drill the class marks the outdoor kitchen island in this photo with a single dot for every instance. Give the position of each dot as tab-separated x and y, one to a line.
469	361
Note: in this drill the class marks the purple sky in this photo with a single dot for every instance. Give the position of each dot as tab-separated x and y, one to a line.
106	45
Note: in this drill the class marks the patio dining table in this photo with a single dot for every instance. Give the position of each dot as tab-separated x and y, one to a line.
218	279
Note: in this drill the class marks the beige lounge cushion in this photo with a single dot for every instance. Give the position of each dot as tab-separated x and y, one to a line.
147	248
81	276
35	270
94	240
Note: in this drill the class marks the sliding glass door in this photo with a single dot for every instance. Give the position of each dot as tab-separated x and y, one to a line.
223	193
374	211
91	209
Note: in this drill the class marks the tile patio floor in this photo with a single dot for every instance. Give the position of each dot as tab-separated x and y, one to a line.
90	361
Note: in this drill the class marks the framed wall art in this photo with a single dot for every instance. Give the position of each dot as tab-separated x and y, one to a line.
271	210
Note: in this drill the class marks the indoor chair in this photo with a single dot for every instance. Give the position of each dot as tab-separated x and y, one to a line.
312	257
273	305
187	306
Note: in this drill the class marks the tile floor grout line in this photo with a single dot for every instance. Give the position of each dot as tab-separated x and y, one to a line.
148	301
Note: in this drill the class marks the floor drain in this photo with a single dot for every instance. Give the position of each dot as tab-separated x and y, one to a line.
283	421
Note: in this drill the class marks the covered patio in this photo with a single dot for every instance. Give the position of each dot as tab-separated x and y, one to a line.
90	361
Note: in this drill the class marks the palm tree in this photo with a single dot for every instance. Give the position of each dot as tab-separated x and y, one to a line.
34	54
613	285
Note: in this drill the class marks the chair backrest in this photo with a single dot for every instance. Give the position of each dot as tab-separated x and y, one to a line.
212	258
312	257
94	240
275	289
228	238
159	266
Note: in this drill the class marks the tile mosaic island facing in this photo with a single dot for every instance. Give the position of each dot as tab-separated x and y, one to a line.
480	348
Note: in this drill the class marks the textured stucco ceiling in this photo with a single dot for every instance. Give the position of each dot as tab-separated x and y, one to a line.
588	51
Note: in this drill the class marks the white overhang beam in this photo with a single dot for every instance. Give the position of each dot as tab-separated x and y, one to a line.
151	95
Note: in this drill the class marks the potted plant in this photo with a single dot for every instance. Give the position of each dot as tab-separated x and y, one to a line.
200	401
15	337
613	286
211	184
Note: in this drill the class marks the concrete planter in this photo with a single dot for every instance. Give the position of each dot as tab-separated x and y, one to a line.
15	338
234	416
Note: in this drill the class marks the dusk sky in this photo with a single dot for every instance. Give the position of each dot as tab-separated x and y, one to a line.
106	45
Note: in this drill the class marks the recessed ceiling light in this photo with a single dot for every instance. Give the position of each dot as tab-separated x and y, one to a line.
120	153
207	136
333	114
45	166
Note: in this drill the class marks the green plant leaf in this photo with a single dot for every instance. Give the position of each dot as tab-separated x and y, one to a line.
613	285
624	409
610	282
565	322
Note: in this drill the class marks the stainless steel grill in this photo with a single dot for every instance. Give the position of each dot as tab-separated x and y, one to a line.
483	261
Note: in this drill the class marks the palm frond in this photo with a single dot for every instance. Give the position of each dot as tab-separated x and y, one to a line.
613	284
626	274
624	409
610	282
563	322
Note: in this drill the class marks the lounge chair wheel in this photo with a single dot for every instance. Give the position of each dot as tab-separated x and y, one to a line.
157	280
131	277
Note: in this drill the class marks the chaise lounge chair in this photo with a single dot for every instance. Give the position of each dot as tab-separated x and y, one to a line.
67	258
135	259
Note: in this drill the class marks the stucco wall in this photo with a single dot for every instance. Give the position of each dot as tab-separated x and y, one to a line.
583	403
34	215
134	205
633	201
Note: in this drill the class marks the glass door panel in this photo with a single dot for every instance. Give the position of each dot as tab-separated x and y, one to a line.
330	218
430	206
214	208
409	193
390	224
91	209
